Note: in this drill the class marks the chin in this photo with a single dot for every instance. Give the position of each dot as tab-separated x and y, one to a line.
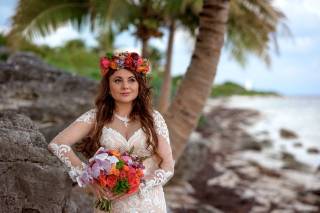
125	100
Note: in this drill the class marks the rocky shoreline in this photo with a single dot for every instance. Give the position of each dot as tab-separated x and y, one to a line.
234	176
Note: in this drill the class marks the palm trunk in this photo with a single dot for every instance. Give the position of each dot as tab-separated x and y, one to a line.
166	84
144	50
185	110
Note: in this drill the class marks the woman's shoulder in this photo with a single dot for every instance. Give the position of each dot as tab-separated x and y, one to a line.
88	116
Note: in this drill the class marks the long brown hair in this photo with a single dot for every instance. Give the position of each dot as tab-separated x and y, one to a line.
105	106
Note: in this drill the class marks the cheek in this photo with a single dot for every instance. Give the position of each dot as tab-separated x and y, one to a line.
113	88
136	87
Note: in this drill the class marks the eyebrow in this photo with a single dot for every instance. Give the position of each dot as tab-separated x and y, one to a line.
128	77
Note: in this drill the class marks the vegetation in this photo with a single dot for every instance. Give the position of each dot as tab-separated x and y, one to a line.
230	88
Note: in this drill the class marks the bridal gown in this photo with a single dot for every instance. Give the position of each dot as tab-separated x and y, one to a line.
150	197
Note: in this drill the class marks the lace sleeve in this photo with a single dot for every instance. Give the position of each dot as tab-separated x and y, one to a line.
87	117
61	144
163	174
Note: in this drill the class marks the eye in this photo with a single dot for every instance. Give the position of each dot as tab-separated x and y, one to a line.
132	80
117	81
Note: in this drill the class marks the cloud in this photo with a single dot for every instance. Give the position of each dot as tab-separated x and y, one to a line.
65	33
304	14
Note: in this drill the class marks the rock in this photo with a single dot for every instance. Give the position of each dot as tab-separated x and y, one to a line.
298	144
291	163
226	180
51	97
35	180
192	160
251	145
266	143
313	150
226	128
287	134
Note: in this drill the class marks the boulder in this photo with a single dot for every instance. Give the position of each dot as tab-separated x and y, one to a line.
52	98
32	179
288	134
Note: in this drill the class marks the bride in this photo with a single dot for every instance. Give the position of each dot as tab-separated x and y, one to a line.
123	117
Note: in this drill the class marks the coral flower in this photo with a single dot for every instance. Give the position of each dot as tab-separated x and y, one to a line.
111	181
114	171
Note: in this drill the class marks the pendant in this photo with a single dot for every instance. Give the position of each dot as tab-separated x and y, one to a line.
125	120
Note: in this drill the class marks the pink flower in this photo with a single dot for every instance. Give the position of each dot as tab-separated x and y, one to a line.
104	65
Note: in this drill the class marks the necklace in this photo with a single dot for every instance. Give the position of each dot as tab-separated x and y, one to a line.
125	119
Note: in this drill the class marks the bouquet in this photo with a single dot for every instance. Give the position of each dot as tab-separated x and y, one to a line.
120	173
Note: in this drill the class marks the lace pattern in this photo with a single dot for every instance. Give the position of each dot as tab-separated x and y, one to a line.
161	126
62	151
87	117
160	177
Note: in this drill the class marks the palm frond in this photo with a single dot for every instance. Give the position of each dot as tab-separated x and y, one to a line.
252	28
41	17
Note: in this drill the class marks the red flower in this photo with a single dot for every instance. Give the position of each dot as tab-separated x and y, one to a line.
128	62
123	174
111	181
135	56
102	180
104	65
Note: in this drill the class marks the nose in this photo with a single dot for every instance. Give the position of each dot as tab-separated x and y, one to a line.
125	85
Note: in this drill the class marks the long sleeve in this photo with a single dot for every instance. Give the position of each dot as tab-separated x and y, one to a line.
163	174
61	144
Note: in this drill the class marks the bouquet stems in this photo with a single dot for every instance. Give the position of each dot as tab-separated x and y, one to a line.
103	205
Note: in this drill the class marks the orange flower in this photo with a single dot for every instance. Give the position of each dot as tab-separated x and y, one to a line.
139	173
115	153
102	180
114	170
125	168
113	65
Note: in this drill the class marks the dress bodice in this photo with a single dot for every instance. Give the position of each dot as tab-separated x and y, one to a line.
112	139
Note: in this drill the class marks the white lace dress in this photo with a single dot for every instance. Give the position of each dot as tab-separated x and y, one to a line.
150	197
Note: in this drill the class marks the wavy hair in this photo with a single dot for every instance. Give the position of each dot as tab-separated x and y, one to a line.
105	106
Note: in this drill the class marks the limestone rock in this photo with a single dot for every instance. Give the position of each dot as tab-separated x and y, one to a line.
32	179
51	97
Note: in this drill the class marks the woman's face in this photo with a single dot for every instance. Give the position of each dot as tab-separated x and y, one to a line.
124	86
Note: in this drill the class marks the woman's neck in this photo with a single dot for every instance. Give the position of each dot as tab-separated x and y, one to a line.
123	109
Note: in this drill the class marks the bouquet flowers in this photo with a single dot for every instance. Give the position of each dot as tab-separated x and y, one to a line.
119	173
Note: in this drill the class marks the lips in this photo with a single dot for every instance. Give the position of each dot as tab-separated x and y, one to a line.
125	93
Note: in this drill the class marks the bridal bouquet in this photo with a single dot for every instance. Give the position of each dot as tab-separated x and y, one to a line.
120	173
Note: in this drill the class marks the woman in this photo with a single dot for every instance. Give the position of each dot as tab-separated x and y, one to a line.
122	118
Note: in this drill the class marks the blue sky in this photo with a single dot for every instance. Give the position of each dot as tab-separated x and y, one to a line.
294	72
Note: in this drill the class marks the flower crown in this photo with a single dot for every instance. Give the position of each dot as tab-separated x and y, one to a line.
124	60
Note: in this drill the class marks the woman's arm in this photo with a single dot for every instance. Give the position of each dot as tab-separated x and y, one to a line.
61	144
163	174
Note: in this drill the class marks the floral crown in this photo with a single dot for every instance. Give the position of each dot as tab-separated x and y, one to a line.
124	60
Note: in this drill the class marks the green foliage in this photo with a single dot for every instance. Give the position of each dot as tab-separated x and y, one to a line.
3	40
230	88
122	186
120	164
202	121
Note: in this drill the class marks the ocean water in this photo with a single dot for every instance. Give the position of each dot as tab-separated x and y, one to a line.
298	114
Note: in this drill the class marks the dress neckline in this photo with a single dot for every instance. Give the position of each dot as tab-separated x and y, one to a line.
120	135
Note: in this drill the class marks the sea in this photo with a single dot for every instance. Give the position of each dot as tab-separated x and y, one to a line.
300	115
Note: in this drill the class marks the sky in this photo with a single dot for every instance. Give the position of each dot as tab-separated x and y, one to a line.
295	71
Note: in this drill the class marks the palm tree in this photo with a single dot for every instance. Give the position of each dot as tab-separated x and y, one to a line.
182	14
184	112
252	26
40	18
